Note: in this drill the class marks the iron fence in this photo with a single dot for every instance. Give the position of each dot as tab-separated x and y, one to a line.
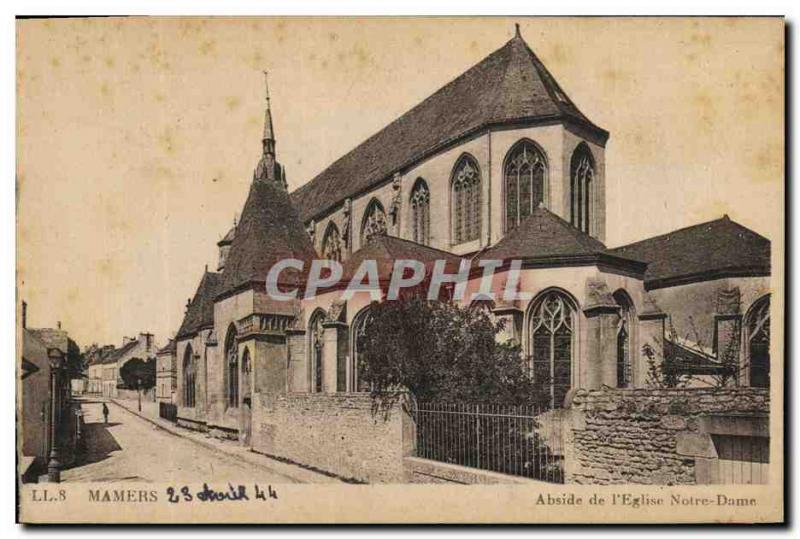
517	440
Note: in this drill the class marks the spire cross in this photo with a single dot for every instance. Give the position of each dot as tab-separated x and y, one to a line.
266	84
516	32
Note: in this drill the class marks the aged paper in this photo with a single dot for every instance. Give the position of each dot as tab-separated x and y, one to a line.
400	270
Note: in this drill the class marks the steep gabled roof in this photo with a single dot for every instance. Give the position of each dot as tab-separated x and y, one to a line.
120	352
385	250
268	231
510	85
719	248
200	312
544	237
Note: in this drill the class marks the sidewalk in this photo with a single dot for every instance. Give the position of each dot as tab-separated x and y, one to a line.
297	473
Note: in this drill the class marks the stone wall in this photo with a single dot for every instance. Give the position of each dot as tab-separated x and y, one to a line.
657	436
335	433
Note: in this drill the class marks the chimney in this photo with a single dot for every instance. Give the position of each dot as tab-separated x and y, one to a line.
58	324
24	315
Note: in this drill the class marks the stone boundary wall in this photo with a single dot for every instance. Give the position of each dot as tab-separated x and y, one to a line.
656	436
336	433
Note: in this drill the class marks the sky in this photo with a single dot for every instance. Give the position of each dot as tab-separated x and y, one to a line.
137	138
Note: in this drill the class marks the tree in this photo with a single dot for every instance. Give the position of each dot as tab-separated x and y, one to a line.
138	373
439	350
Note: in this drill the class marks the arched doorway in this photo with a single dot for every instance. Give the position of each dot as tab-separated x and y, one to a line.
757	343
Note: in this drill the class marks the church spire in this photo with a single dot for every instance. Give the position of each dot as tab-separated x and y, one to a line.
268	140
268	168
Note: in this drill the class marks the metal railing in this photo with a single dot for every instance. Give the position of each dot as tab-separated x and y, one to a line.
517	440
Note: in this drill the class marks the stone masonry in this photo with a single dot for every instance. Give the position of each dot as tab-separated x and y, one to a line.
656	436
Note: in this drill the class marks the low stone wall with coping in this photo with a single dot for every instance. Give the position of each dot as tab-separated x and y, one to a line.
339	433
657	436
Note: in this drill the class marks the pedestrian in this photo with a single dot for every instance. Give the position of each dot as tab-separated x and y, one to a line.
105	413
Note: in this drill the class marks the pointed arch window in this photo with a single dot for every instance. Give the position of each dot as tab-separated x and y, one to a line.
189	375
524	176
317	333
332	243
466	200
232	368
421	212
624	363
757	341
374	222
582	172
551	334
360	325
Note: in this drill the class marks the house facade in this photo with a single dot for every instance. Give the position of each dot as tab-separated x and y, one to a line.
499	164
166	380
142	347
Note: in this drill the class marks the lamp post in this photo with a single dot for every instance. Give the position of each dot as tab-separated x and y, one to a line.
139	393
56	358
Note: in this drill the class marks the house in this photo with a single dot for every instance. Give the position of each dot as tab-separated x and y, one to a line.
142	347
95	355
166	373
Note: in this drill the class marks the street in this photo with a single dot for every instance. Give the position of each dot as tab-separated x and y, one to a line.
130	448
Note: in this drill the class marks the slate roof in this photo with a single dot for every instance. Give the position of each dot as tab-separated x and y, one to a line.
510	85
200	313
120	352
546	238
52	338
719	248
385	249
269	231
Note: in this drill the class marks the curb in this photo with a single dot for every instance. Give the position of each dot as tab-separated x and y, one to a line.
284	470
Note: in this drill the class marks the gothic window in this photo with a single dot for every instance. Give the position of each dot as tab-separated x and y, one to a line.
189	390
247	368
359	332
466	200
757	341
624	366
332	243
582	174
232	368
552	325
524	176
421	212
374	222
317	334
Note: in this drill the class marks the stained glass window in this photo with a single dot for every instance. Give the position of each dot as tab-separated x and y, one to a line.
421	212
232	367
624	365
188	378
582	174
317	334
374	222
332	243
551	345
466	195
359	332
524	175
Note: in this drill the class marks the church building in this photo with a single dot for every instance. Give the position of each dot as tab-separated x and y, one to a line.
499	164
